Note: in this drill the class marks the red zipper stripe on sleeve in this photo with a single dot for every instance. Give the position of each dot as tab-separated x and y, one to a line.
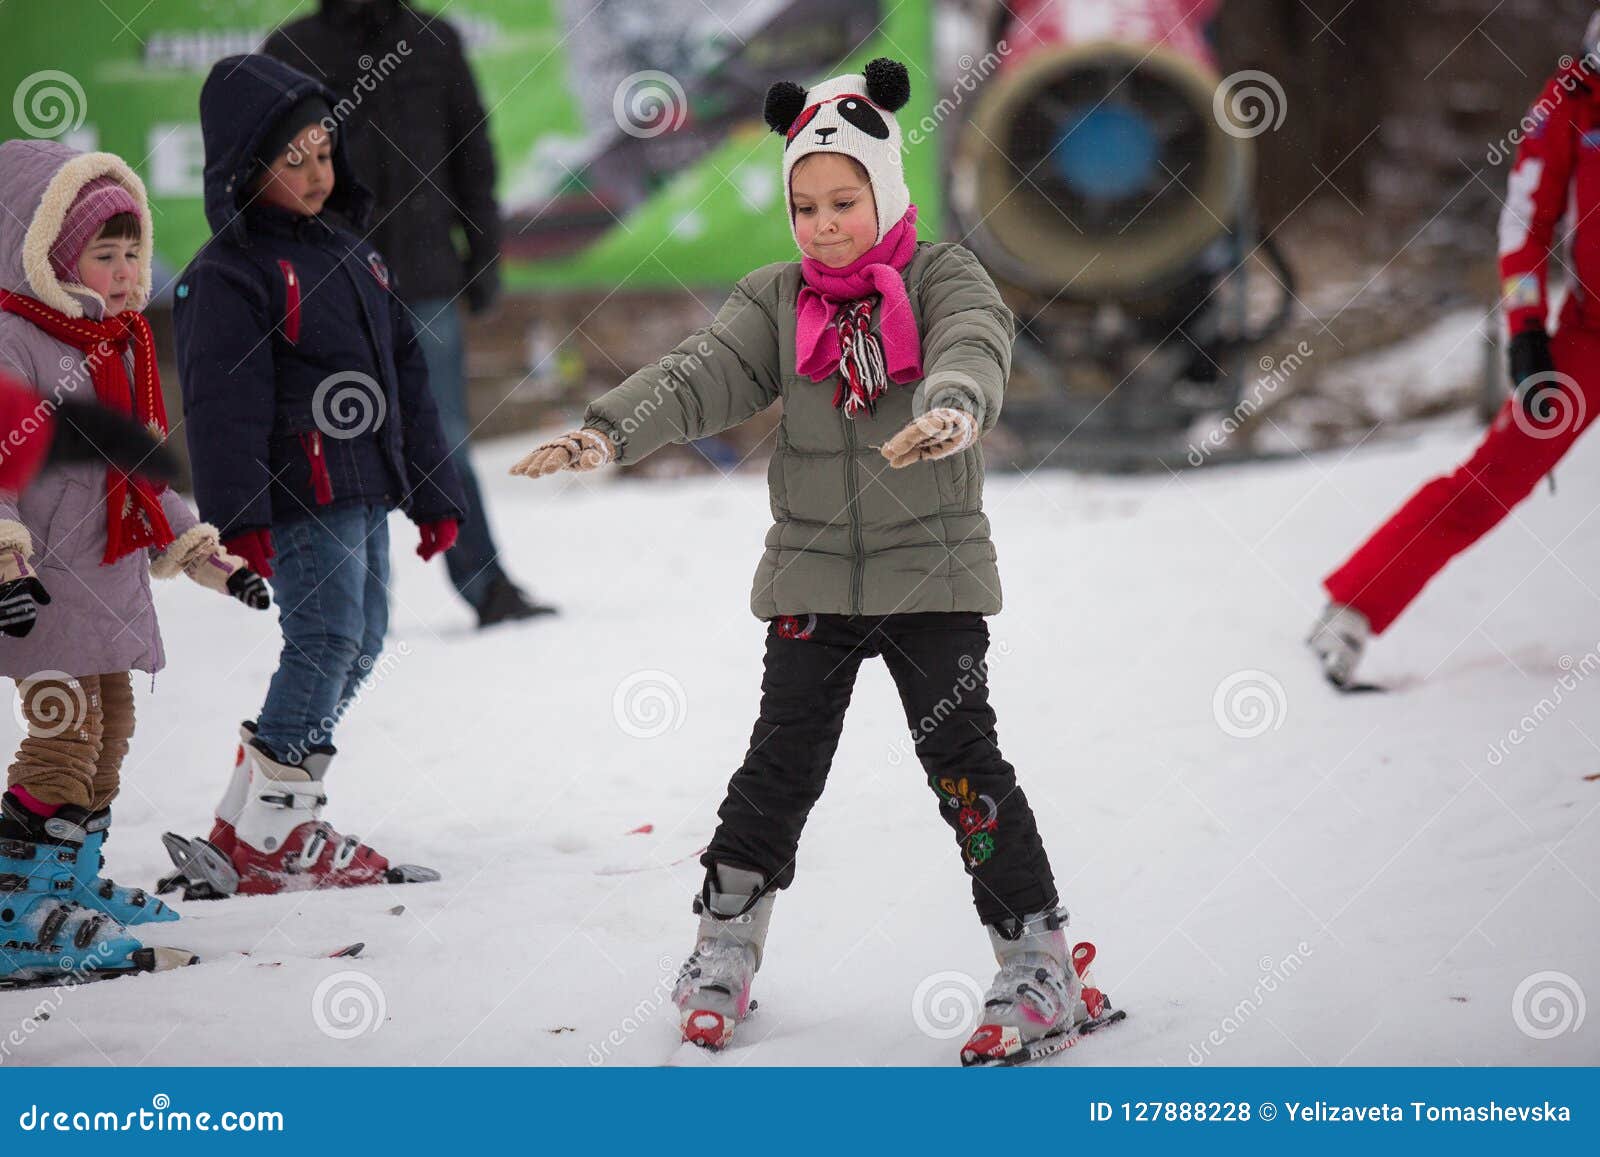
291	297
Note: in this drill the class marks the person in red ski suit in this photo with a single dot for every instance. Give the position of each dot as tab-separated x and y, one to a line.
1555	379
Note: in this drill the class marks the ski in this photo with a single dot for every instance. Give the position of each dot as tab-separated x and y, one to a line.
1048	1046
615	871
144	960
347	951
204	872
1348	688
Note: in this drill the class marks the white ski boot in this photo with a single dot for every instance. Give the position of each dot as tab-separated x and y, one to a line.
713	988
1042	999
1338	638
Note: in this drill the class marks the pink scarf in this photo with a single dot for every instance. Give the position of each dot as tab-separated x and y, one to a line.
834	314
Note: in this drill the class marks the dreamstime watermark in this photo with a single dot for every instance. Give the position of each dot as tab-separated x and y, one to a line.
1274	373
649	103
73	973
1568	82
643	1012
1551	405
948	389
676	369
1249	103
649	703
974	676
1548	1004
49	704
76	374
945	1006
348	404
374	71
973	74
349	1004
1576	671
1249	703
160	1117
21	433
1273	974
49	103
373	671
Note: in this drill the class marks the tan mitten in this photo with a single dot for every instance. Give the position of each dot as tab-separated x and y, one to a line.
214	570
186	551
16	548
585	449
936	434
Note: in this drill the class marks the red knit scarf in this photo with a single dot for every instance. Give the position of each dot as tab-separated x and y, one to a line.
134	517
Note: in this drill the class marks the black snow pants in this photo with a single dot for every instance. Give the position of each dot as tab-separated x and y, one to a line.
938	663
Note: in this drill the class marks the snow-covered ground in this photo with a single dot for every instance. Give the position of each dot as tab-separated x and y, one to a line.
1369	880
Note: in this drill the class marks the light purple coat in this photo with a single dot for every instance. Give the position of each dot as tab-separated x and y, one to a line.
101	618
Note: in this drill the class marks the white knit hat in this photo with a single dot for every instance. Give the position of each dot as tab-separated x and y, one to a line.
853	115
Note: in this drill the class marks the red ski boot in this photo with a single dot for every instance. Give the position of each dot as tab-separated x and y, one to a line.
279	842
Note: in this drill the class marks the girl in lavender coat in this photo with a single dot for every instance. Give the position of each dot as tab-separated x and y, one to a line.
81	544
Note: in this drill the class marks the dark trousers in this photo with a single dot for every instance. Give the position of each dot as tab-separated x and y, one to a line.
474	561
938	663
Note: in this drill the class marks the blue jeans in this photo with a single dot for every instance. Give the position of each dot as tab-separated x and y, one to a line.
331	583
474	561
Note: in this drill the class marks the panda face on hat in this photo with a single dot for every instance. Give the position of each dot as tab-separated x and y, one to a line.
853	115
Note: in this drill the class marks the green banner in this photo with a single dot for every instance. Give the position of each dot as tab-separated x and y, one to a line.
629	137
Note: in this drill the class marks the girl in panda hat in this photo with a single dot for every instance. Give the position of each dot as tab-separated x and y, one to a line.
891	357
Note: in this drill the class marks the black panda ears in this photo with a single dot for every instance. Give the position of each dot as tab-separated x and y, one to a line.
786	100
888	86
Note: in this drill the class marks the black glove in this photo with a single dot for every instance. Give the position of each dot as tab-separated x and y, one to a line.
20	600
88	432
249	588
1529	357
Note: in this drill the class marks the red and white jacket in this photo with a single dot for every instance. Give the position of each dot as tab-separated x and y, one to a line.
1557	172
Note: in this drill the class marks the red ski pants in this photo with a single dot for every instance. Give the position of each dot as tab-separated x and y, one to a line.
1452	512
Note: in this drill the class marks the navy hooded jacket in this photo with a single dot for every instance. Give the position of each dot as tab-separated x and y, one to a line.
303	383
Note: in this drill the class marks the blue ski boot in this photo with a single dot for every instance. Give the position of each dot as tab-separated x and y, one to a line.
46	937
98	893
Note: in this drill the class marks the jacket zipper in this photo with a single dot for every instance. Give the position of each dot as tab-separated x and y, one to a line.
321	483
852	490
291	303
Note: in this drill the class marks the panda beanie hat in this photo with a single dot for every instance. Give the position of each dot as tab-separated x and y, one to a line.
854	115
851	114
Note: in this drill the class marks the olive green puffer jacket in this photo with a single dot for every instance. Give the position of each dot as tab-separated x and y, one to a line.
850	534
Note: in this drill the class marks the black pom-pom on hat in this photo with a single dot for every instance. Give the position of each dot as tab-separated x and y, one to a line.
786	100
888	85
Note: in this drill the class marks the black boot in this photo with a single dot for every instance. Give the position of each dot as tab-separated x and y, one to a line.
505	603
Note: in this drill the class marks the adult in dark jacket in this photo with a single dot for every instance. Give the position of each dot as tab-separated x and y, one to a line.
309	419
421	143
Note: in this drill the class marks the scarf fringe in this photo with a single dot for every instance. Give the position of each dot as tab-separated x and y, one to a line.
863	376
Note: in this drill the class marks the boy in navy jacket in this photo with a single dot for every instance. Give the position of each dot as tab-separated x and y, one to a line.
309	418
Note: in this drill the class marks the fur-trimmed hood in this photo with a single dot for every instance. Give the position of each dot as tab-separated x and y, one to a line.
241	102
39	180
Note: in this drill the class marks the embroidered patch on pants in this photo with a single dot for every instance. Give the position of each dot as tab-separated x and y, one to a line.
977	817
796	626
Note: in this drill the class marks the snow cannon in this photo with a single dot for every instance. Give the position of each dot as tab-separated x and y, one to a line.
1107	110
1105	176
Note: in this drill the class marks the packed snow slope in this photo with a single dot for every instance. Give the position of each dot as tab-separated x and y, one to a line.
1273	873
